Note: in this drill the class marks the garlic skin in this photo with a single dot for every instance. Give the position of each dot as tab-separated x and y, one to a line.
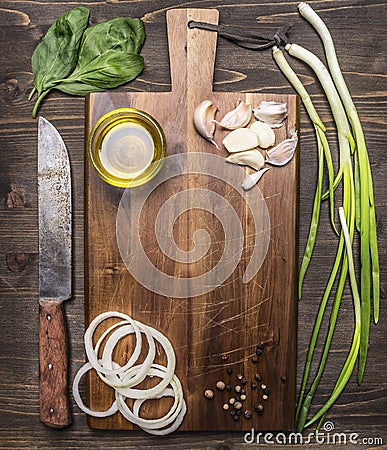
203	118
253	179
239	117
240	140
252	158
283	152
266	135
272	113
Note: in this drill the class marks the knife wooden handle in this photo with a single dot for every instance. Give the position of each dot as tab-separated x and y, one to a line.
54	401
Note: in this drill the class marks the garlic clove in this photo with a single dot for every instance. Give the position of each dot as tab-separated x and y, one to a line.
253	179
283	152
252	158
272	113
240	140
203	118
239	117
265	134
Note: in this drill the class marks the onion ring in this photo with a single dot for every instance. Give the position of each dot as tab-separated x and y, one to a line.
123	378
169	417
77	396
93	358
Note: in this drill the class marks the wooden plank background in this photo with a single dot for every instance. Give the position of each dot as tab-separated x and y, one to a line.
359	31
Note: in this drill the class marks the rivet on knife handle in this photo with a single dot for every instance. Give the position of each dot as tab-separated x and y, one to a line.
54	403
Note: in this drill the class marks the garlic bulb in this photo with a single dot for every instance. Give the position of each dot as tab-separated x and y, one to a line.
253	179
239	117
204	115
265	133
240	140
252	158
283	152
272	113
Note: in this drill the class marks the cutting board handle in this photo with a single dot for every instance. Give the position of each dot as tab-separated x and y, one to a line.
194	73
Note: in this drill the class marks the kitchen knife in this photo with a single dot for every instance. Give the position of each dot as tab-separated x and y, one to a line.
54	203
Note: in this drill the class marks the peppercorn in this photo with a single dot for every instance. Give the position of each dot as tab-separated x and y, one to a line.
258	407
263	386
226	406
208	393
237	388
238	405
239	376
243	391
259	352
232	400
243	397
283	379
233	412
258	377
220	385
247	414
236	417
254	360
260	346
229	370
253	385
228	387
265	397
243	381
266	391
224	357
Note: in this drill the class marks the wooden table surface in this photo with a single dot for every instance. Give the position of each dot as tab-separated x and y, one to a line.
358	28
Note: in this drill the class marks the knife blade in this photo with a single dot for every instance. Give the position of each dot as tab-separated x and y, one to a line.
55	253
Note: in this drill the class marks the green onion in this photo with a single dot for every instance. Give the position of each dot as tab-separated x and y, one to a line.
366	222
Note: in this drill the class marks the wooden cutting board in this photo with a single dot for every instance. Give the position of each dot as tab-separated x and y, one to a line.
221	328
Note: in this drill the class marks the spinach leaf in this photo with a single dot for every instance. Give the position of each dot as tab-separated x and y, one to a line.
56	55
108	56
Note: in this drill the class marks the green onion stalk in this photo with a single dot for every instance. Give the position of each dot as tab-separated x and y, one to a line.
358	209
366	218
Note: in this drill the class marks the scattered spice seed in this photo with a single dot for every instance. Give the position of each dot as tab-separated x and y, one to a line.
263	386
258	377
236	417
224	357
243	391
208	393
229	370
248	414
254	360
283	379
237	388
265	397
266	391
253	385
233	412
226	406
259	352
228	387
243	397
258	407
261	346
239	376
243	381
232	400
220	385
238	405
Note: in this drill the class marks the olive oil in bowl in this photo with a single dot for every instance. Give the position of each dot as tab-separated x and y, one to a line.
126	147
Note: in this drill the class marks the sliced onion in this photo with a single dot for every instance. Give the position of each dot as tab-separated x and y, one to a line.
169	417
77	396
170	369
91	354
106	361
124	378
